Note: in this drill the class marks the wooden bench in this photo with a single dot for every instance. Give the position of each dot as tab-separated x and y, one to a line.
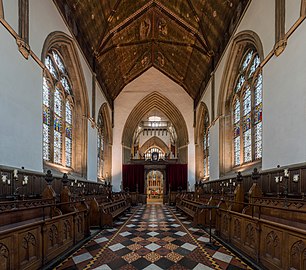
34	232
192	209
111	210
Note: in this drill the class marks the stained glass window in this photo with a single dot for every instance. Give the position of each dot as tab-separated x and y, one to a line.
101	141
247	110
50	66
206	142
68	139
57	112
46	120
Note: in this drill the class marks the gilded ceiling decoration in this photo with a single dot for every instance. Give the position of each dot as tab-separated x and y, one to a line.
183	39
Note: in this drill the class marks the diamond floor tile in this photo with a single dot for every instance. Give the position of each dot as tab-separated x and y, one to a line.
152	237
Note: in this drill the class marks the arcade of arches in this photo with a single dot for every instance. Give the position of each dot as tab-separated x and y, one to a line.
152	134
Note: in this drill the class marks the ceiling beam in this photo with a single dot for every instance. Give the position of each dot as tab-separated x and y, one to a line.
124	24
185	25
199	21
158	41
109	19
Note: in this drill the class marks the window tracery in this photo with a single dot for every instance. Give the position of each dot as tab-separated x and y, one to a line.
247	110
57	112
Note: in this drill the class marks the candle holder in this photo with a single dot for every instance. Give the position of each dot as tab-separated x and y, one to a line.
65	180
49	178
282	181
255	175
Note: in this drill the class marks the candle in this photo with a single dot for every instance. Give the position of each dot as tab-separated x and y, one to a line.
25	179
15	173
230	181
286	172
4	178
8	181
71	184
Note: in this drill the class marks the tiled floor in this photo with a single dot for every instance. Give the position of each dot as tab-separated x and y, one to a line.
152	237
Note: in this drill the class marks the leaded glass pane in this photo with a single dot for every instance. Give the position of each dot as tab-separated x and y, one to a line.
68	131
258	114
68	113
246	122
46	133
58	61
236	130
204	142
68	150
247	105
58	102
205	167
258	90
237	112
46	93
247	144
255	65
46	151
258	140
248	154
57	147
237	151
240	82
247	60
50	66
57	124
46	142
46	115
208	139
66	85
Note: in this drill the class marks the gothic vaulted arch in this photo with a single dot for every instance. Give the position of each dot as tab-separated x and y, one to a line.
152	101
238	90
202	142
64	46
105	139
154	141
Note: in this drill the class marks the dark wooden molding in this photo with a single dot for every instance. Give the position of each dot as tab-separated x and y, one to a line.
1	10
23	12
280	19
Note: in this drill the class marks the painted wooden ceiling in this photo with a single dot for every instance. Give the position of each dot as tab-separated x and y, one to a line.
183	39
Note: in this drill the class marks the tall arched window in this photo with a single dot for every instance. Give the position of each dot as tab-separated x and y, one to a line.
57	111
206	161
101	146
247	110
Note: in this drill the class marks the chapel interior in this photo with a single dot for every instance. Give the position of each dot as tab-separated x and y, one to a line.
152	134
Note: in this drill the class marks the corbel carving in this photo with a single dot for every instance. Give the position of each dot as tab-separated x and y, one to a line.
280	46
23	47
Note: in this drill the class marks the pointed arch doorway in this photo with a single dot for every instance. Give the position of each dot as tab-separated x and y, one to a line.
155	183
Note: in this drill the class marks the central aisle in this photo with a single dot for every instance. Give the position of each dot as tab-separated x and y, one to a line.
152	237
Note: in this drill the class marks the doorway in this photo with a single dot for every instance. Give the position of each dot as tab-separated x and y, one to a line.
155	186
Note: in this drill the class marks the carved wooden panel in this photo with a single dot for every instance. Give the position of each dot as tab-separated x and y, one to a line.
29	248
272	247
296	252
4	256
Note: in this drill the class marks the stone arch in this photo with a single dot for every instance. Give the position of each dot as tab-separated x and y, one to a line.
105	115
154	141
66	46
199	133
240	42
157	101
